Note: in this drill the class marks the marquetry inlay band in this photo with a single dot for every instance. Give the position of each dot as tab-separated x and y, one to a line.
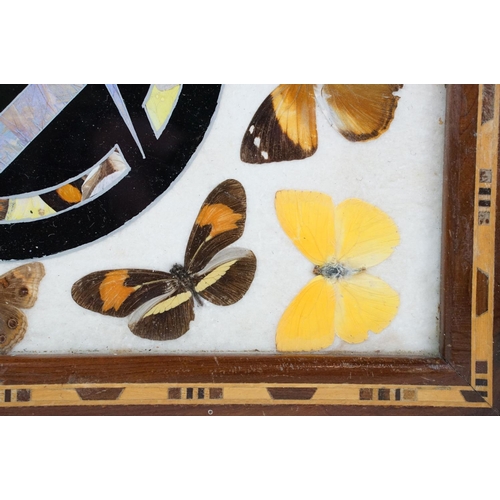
269	394
484	241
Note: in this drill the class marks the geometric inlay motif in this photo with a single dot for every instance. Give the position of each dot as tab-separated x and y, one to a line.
292	393
195	393
99	393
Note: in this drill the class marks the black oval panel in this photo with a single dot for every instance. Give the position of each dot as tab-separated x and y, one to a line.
79	137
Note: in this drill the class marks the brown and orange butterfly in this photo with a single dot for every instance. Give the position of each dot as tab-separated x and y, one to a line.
18	289
284	126
161	304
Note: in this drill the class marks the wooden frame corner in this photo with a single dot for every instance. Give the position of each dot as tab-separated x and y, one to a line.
463	379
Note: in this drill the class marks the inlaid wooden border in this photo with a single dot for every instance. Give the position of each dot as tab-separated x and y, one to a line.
464	379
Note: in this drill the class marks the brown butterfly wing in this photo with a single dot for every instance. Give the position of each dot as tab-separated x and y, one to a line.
108	167
4	207
360	112
13	326
220	222
283	127
19	287
227	278
121	291
164	318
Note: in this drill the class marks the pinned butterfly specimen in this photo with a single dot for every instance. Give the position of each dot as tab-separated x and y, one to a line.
284	126
18	289
341	242
160	305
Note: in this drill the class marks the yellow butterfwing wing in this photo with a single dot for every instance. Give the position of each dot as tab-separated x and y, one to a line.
365	235
27	208
363	303
360	112
159	105
308	219
308	322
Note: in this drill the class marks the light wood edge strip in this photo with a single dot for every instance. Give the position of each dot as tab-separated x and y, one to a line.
326	394
484	245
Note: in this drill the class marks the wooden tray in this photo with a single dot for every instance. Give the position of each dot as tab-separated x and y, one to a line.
464	379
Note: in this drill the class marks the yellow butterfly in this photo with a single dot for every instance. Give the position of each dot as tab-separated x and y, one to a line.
342	242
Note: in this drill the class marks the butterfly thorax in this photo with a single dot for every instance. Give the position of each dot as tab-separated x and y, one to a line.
333	270
185	280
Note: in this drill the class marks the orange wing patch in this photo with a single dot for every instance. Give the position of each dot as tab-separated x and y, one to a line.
112	290
220	217
295	110
69	194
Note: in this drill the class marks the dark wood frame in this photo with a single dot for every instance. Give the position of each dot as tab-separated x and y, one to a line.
289	382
